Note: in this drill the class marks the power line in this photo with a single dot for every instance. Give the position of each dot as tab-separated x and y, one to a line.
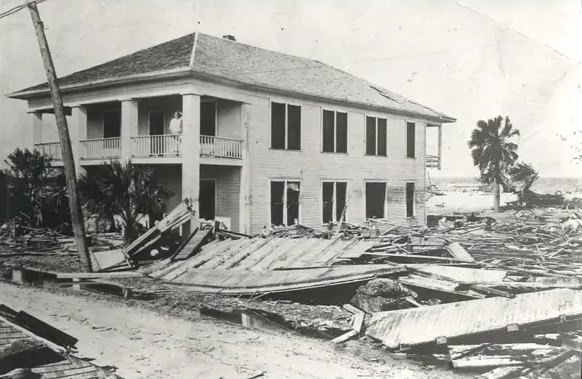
17	8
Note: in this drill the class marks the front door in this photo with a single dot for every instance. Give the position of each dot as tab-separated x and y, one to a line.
207	199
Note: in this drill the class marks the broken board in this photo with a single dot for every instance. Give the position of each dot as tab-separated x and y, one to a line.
417	326
192	245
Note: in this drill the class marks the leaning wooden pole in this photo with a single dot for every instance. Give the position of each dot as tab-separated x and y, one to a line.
74	205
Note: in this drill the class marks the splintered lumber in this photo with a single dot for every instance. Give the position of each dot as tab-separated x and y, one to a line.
417	282
193	244
501	373
572	342
417	326
178	216
457	251
497	355
98	275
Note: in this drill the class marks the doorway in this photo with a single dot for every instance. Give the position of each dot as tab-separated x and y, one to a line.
207	201
156	121
208	118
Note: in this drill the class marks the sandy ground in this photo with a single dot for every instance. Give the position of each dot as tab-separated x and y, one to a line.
144	344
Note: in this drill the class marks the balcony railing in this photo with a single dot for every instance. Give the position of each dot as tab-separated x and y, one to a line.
50	149
432	161
163	145
222	147
101	148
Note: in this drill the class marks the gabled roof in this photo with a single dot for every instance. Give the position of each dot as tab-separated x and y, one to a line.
199	54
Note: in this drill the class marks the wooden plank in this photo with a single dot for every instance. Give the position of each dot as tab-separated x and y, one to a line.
45	330
98	275
457	251
420	282
344	337
462	274
423	325
193	245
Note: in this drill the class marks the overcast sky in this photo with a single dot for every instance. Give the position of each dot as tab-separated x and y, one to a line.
471	59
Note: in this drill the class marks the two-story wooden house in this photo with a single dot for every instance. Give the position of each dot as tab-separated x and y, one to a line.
267	138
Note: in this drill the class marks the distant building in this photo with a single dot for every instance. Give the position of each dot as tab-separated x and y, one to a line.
267	138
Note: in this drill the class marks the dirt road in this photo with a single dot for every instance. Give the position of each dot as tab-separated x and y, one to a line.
144	344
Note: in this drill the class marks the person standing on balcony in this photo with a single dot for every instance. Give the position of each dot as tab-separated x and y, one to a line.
176	131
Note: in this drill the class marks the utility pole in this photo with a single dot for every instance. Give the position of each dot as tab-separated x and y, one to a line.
70	175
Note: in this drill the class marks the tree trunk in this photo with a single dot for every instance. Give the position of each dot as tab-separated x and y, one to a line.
496	195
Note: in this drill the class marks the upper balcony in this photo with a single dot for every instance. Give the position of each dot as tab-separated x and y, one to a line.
150	149
140	130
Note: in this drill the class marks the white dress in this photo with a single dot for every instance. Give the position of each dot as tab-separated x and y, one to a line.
175	129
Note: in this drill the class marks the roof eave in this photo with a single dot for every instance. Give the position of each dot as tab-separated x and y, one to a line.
165	74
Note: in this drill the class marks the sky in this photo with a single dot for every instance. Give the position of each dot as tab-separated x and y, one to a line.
471	59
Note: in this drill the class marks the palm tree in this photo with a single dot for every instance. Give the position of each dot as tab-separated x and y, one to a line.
125	190
492	152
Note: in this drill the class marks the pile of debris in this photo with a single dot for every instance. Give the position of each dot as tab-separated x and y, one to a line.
18	239
31	348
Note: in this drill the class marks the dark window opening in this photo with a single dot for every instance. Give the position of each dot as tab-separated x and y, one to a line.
328	132
340	198
334	201
375	200
292	203
294	127
285	126
341	145
335	132
409	199
284	202
277	126
277	202
208	118
112	124
382	137
376	133
327	197
207	199
410	139
370	136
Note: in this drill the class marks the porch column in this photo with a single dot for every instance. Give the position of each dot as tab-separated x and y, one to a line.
129	119
191	152
245	180
36	119
78	133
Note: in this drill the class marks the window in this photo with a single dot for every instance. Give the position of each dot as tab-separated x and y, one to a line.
376	136
285	126
409	199
335	132
334	200
285	202
410	139
111	124
375	199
